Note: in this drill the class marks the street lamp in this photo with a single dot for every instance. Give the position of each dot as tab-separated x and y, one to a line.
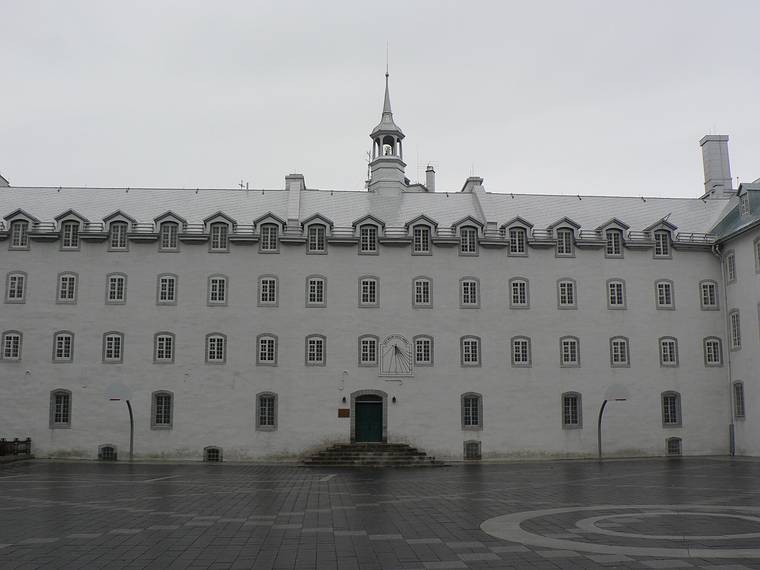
117	392
614	393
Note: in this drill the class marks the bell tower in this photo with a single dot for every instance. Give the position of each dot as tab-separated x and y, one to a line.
386	163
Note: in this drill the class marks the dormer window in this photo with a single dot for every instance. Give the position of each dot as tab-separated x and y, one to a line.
268	238
368	239
118	236
744	205
565	242
468	241
316	239
219	237
19	234
168	236
421	243
614	243
518	241
70	235
662	243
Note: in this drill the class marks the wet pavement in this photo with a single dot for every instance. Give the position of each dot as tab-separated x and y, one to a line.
657	513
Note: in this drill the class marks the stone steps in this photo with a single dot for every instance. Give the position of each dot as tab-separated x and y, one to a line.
371	455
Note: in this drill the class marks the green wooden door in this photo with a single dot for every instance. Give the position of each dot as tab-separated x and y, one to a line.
369	421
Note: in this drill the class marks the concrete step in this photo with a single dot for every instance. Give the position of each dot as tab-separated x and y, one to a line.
371	455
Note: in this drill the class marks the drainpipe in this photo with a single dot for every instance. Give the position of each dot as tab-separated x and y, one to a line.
731	432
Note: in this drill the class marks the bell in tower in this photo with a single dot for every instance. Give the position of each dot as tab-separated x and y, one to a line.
387	164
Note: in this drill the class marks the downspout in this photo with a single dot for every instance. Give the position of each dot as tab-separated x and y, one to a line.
731	433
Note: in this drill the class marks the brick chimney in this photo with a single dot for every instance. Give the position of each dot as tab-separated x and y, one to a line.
718	183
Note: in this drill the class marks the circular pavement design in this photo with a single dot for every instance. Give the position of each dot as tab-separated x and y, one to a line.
508	527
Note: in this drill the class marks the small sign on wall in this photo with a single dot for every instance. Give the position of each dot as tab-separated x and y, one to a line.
344	412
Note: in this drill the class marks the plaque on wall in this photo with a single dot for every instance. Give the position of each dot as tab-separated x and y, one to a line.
396	357
344	412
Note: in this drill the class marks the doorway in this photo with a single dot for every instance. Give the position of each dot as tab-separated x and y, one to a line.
368	418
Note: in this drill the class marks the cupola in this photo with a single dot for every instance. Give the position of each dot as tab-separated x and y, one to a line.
387	164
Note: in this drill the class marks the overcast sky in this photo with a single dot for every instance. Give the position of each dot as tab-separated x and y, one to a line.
592	97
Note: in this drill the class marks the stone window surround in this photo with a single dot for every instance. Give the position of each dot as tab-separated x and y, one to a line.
756	253
610	306
171	335
306	360
19	223
660	342
607	234
224	236
58	299
372	363
574	287
716	306
667	243
267	228
3	337
512	304
122	301
71	335
215	449
158	289
377	291
679	418
469	230
317	226
422	227
119	335
627	363
476	304
165	231
577	363
428	305
720	351
478	352
153	410
374	250
579	403
60	392
215	335
515	364
259	338
565	231
8	277
275	413
665	307
479	397
730	266
735	340
524	241
122	224
73	227
322	303
380	394
224	279
432	346
259	291
475	443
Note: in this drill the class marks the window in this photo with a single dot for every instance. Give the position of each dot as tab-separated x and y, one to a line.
472	411
572	410
116	289
619	357
423	350
520	351
730	268
316	239
518	297
422	294
216	348
421	241
266	411
735	330
708	295
569	350
662	243
468	241
368	296
739	400
673	445
70	235
664	295
60	409
315	291
268	241
217	290
756	248
19	234
316	350
117	240
212	454
614	247
63	346
367	350
268	291
219	237
472	451
368	239
713	351
518	241
162	410
266	350
168	233
15	288
566	298
167	290
744	209
107	452
11	345
565	243
668	351
163	348
469	296
470	350
671	409
113	347
67	288
615	294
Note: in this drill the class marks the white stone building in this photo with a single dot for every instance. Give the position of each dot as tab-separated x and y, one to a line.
269	323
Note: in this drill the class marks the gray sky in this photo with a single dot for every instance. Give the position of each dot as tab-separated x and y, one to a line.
592	97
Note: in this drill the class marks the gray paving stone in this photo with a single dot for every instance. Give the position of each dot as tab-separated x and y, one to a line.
666	564
465	544
558	553
478	556
609	558
443	565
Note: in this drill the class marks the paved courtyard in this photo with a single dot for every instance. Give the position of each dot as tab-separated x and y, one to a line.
688	513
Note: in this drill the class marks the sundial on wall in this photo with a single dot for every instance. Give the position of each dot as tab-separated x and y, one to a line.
396	357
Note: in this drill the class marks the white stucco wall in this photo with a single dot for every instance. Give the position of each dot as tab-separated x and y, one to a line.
214	404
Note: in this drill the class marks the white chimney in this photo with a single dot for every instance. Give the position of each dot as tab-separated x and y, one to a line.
718	183
430	178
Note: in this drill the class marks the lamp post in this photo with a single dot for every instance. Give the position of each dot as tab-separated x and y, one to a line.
614	393
117	392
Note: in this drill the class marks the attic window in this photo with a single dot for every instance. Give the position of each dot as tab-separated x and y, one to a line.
744	205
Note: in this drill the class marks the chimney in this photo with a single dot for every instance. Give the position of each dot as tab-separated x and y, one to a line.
430	178
718	183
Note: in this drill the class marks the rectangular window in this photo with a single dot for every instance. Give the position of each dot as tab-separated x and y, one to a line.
267	350
268	237
63	347
736	333
519	294
470	293
421	240
164	348
368	292
61	409
517	241
67	288
713	352
571	416
118	239
738	399
163	410
315	350
668	352
117	289
709	295
731	267
614	243
566	294
215	349
368	239
167	289
569	356
422	296
664	295
70	235
662	243
423	351
168	237
266	415
20	234
368	351
616	295
217	290
112	349
565	243
316	294
11	346
316	239
471	411
268	291
468	241
470	351
219	237
16	288
619	352
520	352
670	410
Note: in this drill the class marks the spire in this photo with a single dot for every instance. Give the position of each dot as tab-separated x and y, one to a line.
387	125
387	102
